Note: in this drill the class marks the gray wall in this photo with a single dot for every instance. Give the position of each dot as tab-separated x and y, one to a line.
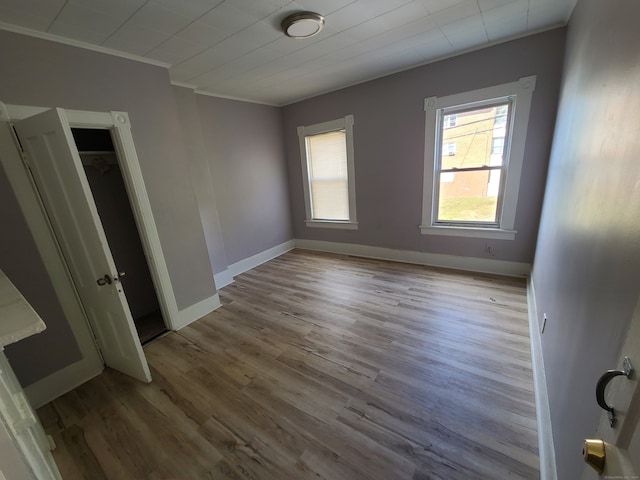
41	73
587	263
244	145
56	347
389	146
201	176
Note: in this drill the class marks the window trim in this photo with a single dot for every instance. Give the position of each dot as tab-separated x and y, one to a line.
522	90
346	124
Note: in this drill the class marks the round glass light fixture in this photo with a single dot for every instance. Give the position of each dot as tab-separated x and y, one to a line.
302	24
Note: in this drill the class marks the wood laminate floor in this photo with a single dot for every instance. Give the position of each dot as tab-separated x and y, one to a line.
321	366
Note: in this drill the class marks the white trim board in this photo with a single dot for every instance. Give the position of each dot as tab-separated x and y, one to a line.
260	258
546	449
472	264
63	381
198	310
224	278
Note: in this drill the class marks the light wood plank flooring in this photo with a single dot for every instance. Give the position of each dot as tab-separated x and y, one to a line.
321	366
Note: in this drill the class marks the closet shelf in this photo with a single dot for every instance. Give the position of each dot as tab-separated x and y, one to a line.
97	152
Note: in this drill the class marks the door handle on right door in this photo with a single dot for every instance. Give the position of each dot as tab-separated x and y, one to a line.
602	385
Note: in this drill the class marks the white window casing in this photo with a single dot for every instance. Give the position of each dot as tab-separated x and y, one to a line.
342	124
521	91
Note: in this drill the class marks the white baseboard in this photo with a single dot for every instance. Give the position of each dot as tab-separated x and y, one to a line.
546	447
222	279
473	264
61	382
198	310
260	258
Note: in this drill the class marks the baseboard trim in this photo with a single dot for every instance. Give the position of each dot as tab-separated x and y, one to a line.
546	449
63	381
222	279
260	258
198	310
473	264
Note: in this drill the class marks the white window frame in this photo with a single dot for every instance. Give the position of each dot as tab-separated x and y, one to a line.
346	124
522	92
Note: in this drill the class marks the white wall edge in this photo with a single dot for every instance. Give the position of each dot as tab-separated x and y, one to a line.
260	258
473	264
222	279
63	381
546	449
198	310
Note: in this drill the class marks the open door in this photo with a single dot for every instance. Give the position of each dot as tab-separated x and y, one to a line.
59	177
621	441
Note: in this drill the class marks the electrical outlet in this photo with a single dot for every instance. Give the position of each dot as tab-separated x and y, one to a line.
489	249
544	323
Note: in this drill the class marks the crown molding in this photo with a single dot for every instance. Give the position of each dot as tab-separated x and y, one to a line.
79	44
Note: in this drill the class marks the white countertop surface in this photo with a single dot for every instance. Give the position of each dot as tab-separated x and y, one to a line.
18	319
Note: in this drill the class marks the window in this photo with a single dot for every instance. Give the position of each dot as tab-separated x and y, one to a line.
449	149
450	121
474	191
326	151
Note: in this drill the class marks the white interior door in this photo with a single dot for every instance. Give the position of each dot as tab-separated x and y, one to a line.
59	176
622	442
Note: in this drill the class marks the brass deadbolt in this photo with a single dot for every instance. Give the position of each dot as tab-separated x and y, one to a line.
594	454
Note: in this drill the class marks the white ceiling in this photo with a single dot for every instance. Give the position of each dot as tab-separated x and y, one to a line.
234	48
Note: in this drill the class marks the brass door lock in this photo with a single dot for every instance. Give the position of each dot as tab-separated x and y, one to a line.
594	454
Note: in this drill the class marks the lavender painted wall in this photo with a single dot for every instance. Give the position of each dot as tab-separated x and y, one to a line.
42	73
587	263
201	176
56	346
389	146
245	148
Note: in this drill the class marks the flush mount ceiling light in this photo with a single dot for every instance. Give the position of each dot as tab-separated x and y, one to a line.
302	24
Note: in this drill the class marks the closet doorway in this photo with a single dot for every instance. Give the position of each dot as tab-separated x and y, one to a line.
102	169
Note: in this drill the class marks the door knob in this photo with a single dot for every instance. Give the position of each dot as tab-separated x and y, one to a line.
104	280
594	454
118	277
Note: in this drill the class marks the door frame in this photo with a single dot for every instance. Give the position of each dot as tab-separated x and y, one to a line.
119	125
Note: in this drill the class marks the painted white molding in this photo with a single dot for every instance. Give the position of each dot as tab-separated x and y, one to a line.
222	279
198	310
546	449
262	257
491	233
58	383
472	264
79	44
332	224
143	215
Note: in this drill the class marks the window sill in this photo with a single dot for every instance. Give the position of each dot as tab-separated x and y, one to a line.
471	232
345	225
